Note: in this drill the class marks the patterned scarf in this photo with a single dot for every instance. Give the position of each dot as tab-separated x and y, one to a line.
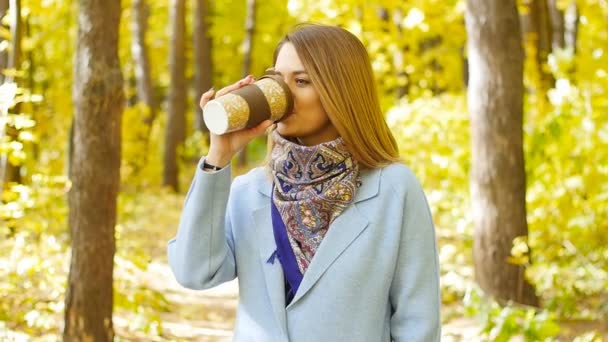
312	186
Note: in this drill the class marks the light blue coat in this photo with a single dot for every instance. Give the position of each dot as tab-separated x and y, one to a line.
374	277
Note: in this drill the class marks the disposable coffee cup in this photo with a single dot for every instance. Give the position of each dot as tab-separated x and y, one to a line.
267	98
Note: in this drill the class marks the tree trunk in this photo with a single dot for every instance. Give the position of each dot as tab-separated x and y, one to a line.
401	89
537	29
8	171
143	79
203	66
139	50
31	71
98	103
14	57
498	185
557	25
571	20
465	66
3	54
176	123
70	150
248	52
32	86
249	33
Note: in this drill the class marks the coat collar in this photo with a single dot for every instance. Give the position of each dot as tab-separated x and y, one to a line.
369	188
346	228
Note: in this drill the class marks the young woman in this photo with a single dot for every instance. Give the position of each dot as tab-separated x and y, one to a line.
338	243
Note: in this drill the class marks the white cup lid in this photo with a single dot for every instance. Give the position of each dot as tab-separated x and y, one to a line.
215	117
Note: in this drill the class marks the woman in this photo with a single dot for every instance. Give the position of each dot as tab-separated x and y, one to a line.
338	243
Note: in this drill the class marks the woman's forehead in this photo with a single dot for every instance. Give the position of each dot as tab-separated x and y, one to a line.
288	59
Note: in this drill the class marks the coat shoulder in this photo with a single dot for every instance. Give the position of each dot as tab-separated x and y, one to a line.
399	178
256	178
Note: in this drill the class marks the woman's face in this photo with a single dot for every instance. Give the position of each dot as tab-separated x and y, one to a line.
308	123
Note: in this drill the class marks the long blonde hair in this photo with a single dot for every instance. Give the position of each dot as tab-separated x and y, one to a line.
341	72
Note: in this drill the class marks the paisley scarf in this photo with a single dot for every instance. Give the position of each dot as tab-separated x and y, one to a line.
312	186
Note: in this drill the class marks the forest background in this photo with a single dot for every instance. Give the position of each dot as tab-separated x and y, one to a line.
171	51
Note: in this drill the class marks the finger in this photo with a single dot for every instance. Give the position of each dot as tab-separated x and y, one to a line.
225	90
228	89
249	79
239	84
208	95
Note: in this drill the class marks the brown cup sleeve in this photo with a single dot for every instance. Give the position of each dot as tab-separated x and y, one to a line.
259	110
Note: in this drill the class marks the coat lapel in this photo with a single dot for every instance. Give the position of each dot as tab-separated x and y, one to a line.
273	273
342	232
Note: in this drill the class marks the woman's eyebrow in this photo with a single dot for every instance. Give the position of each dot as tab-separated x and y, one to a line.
274	71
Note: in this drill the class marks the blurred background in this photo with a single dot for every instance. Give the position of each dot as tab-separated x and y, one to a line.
169	52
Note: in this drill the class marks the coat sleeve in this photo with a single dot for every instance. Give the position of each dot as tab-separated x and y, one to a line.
414	292
201	256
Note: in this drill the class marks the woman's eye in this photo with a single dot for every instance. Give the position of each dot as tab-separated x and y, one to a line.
302	82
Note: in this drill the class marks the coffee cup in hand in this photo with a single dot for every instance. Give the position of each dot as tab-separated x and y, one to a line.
268	98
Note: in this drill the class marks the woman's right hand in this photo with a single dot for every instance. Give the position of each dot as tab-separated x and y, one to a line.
223	147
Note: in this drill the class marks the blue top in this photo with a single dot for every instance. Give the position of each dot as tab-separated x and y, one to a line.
291	271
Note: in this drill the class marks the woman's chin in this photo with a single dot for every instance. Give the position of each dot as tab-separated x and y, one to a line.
284	129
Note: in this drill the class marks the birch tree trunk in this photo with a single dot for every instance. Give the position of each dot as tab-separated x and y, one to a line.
401	89
498	184
8	171
3	54
95	176
571	21
14	57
